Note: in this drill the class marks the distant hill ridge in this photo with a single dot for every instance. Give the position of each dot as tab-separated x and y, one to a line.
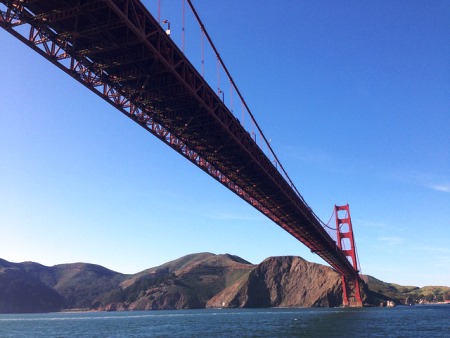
193	281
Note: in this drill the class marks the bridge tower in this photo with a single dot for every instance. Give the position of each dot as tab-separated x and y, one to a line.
351	295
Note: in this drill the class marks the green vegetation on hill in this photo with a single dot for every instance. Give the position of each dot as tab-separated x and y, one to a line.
431	294
134	291
407	294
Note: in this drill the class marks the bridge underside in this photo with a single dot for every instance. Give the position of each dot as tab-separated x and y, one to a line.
120	52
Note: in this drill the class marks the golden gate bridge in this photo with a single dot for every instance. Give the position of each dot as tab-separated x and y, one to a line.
118	50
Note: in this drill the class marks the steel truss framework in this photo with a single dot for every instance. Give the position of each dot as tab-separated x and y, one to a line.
119	51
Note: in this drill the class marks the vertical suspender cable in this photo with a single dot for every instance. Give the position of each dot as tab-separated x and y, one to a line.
231	96
202	39
218	74
159	11
243	115
248	109
183	23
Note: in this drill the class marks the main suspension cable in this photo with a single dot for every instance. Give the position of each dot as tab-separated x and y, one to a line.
219	58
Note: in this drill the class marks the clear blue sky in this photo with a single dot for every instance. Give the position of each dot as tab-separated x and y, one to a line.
354	95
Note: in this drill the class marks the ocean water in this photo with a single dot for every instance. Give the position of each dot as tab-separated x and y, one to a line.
402	321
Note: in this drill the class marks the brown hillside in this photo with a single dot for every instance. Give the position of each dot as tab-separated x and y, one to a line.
188	282
193	281
20	292
79	285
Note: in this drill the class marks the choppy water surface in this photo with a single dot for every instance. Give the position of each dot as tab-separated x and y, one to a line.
414	321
